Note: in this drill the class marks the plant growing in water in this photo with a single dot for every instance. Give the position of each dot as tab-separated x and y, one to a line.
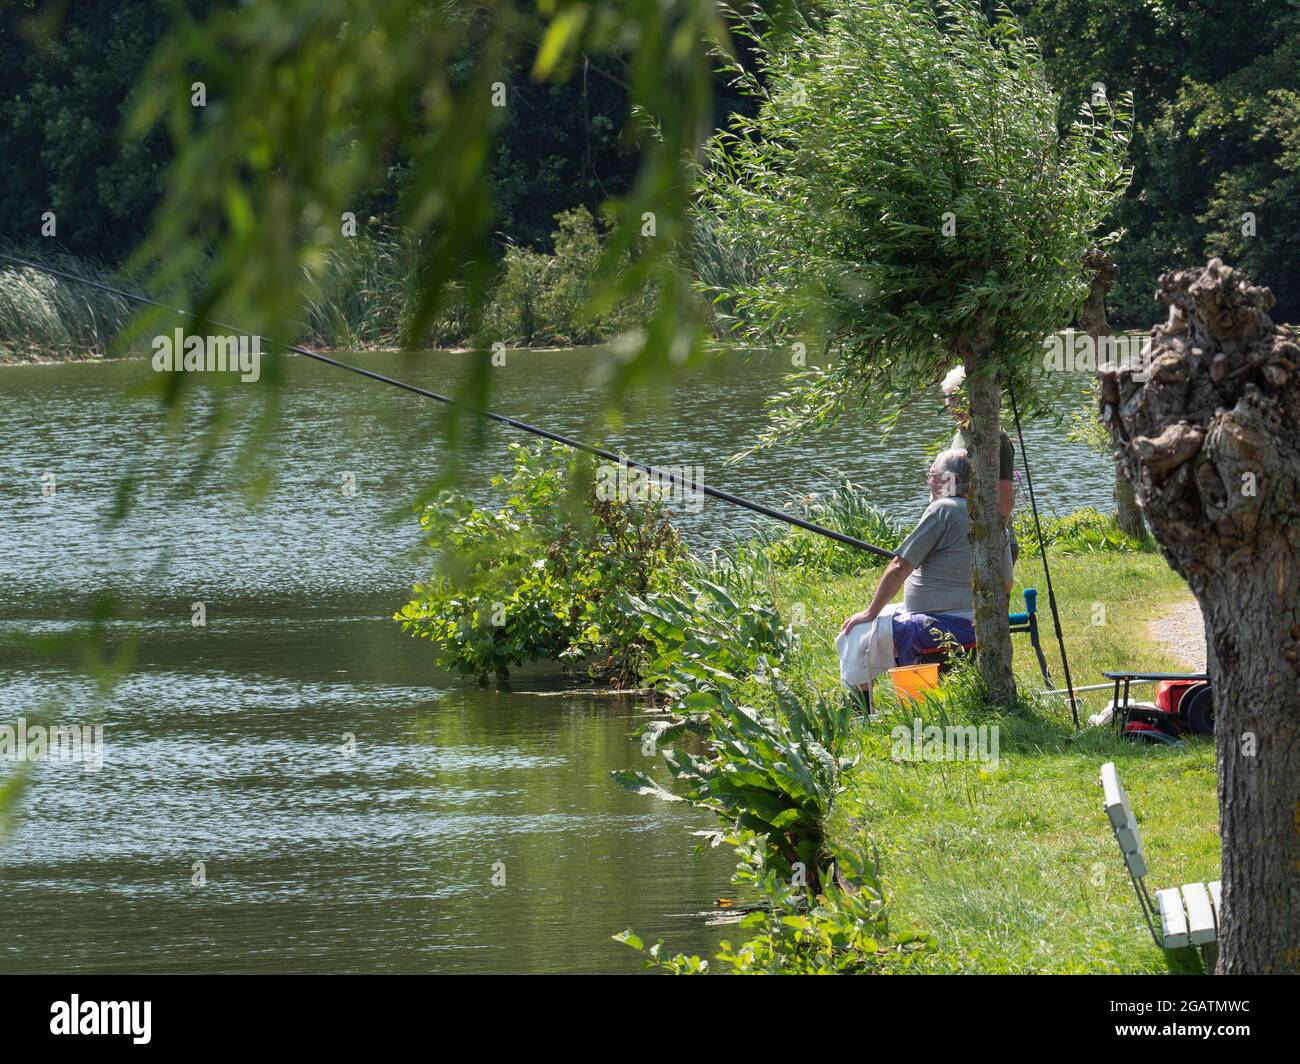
771	775
543	577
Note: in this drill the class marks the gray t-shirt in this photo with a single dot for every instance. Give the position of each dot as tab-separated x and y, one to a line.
939	552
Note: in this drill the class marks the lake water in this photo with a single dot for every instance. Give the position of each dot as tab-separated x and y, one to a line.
226	749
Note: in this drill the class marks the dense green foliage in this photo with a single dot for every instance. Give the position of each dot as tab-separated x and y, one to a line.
46	316
1216	90
1217	101
67	80
771	773
67	77
543	299
367	289
913	200
1085	531
364	290
361	296
543	577
842	509
701	637
768	756
772	754
304	135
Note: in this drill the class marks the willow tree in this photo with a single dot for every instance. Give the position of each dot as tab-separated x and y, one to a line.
1210	437
916	206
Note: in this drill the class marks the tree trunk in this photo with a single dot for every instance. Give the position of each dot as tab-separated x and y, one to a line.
1257	735
1211	441
1094	321
1092	316
1128	515
988	573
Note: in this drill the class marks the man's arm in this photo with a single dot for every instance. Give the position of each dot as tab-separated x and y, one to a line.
891	580
1006	499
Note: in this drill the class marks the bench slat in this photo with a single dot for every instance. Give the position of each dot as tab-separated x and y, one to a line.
1216	899
1200	914
1173	921
1133	856
1123	820
1117	804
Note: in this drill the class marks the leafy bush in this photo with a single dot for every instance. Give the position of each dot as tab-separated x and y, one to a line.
514	312
543	299
702	636
1086	531
543	577
771	774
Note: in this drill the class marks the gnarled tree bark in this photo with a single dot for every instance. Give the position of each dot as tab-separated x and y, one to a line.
1211	441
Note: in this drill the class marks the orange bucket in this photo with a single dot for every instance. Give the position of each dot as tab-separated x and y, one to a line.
912	681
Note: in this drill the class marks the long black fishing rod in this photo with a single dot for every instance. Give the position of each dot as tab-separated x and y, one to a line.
515	423
1047	572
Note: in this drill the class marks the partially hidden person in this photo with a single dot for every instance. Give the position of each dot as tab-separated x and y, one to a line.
951	387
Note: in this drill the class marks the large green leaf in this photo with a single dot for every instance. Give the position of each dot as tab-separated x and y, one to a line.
640	783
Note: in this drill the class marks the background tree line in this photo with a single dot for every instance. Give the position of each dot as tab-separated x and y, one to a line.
1216	88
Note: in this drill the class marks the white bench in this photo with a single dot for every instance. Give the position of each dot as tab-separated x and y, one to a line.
1189	915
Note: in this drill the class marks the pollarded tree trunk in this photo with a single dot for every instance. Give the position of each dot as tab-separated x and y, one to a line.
1128	515
1092	316
1212	442
988	573
1095	323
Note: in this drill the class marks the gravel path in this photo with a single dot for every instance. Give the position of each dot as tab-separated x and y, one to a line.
1182	631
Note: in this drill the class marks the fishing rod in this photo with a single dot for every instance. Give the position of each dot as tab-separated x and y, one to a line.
515	423
1047	572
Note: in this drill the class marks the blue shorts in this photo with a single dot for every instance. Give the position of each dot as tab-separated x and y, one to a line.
915	632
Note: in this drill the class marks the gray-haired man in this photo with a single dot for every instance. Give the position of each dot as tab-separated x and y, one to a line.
932	567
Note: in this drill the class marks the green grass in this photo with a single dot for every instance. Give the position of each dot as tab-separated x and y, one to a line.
1013	867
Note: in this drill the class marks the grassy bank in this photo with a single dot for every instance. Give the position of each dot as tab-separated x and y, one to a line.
1014	868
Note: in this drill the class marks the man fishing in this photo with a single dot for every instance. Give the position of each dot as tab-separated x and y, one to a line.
933	569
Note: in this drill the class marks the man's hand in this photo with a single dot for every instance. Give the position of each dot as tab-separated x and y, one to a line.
890	581
856	619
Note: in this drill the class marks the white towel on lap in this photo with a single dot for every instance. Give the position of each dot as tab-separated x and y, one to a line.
866	650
